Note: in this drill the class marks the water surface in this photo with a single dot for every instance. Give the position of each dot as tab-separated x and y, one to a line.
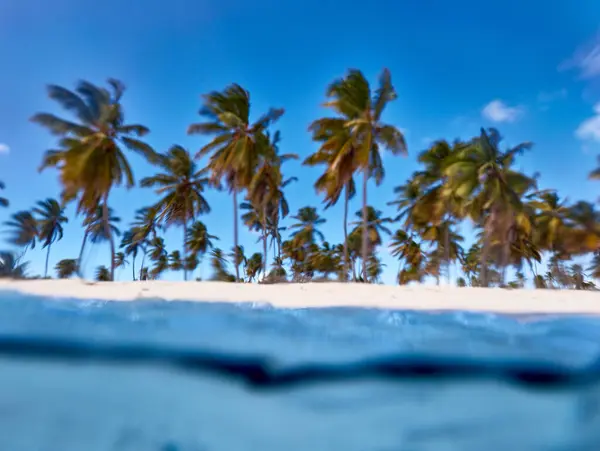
165	376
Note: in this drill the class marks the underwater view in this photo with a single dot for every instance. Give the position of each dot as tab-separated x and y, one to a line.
186	376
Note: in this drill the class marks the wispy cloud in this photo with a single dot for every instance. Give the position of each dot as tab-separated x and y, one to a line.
4	149
589	130
586	59
552	96
498	111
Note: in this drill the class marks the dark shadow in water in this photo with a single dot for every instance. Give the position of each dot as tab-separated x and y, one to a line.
259	372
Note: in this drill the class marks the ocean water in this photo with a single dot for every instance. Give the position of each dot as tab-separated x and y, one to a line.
182	376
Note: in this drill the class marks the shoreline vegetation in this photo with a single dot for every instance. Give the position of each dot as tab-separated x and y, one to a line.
322	295
472	180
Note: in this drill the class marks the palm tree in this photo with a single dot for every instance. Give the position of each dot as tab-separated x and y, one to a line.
181	185
131	247
338	154
199	241
305	230
218	262
254	266
410	255
236	147
265	191
11	266
482	175
95	229
102	274
146	224
550	220
90	158
175	261
361	110
66	268
120	260
23	229
3	200
375	225
50	220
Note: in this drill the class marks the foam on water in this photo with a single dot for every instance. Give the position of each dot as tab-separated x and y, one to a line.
167	376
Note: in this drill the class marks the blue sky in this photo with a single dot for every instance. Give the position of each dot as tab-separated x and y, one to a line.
532	69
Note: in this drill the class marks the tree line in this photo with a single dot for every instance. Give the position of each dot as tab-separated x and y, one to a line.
474	180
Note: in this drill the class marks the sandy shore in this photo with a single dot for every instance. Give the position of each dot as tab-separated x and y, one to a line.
323	295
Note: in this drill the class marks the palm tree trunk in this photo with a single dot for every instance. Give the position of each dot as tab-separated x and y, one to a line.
109	234
133	267
235	235
346	201
365	236
264	226
47	259
185	274
447	250
79	272
142	264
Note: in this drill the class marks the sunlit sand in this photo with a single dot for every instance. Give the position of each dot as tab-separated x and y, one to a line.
315	295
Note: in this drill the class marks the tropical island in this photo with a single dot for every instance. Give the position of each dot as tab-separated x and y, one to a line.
472	180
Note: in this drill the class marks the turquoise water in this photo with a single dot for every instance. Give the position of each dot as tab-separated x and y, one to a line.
183	376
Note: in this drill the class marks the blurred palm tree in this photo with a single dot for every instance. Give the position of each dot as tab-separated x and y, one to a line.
102	274
361	111
90	157
50	218
66	268
94	225
492	191
23	229
11	266
236	148
306	229
182	185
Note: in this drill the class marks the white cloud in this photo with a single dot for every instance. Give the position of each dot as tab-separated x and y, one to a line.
4	148
589	130
586	59
498	111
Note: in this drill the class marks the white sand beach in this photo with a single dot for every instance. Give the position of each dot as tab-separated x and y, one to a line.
315	295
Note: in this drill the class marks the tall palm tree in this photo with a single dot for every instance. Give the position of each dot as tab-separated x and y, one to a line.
338	153
550	220
306	229
23	230
90	158
265	190
362	110
3	200
146	223
94	225
218	263
482	175
50	219
199	241
121	260
410	255
66	268
375	226
181	185
132	247
236	147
